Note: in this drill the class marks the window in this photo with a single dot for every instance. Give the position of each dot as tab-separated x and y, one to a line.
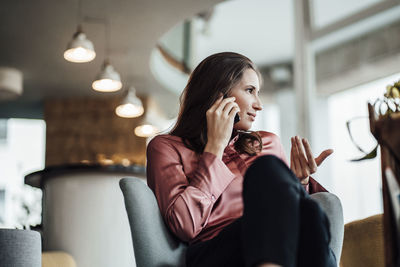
328	12
357	184
21	152
2	205
3	131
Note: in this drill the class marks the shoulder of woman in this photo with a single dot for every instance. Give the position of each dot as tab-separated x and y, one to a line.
268	135
165	140
269	139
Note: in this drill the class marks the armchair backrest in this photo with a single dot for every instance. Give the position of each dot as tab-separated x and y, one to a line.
153	244
20	248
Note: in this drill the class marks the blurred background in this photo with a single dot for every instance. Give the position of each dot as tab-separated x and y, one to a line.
321	62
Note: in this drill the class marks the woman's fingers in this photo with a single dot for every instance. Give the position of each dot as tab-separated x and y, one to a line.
229	107
292	166
302	158
222	108
295	159
216	104
310	158
223	103
302	161
324	154
234	111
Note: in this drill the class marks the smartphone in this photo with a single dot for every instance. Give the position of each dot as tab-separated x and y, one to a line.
237	117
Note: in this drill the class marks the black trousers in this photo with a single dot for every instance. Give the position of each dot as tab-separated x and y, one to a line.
280	224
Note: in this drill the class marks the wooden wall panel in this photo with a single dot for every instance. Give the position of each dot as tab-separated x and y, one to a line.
88	130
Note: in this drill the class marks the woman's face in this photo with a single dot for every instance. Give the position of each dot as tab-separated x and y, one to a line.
246	94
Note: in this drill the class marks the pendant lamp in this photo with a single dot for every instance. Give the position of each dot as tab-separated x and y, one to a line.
79	49
151	125
131	106
10	83
146	130
153	122
108	79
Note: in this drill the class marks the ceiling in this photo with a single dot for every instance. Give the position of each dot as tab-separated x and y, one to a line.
264	31
34	35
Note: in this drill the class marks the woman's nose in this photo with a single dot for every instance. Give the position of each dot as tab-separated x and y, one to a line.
257	104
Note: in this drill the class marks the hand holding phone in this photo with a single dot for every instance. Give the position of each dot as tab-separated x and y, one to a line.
219	128
237	117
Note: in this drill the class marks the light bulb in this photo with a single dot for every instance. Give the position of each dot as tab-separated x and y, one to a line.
79	55
146	130
106	85
108	80
129	110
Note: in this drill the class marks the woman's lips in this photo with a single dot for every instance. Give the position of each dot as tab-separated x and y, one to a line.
252	116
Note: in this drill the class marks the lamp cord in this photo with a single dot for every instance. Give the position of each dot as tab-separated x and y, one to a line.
79	13
107	41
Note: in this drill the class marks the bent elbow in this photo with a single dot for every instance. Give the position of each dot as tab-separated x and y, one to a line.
186	219
184	229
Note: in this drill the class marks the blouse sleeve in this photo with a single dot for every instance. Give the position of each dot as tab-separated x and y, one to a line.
315	187
185	201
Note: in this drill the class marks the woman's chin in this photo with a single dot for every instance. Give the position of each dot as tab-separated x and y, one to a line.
242	126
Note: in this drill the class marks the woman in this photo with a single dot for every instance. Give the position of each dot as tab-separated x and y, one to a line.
229	192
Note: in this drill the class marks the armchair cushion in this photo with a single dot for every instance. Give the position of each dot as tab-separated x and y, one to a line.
57	259
363	243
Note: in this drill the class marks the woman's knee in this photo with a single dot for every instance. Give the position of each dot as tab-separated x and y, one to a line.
269	169
266	160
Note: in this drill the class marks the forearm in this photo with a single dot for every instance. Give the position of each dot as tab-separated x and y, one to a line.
214	148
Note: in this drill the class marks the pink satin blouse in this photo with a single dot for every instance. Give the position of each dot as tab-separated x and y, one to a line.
198	195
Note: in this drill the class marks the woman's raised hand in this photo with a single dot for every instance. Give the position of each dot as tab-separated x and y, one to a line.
302	161
220	119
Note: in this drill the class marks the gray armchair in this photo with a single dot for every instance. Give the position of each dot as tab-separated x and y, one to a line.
20	248
155	246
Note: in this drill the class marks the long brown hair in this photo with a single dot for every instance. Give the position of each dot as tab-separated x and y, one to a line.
216	74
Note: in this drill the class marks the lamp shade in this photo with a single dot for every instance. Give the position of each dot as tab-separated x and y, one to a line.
131	106
150	125
146	130
153	122
79	49
10	83
108	80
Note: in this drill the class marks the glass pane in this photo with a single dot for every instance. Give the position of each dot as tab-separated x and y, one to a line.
267	119
328	12
22	153
357	184
172	42
2	205
3	130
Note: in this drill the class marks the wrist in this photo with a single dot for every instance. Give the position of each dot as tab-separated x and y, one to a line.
217	150
305	181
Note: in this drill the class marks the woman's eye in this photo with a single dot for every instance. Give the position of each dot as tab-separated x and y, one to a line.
251	90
